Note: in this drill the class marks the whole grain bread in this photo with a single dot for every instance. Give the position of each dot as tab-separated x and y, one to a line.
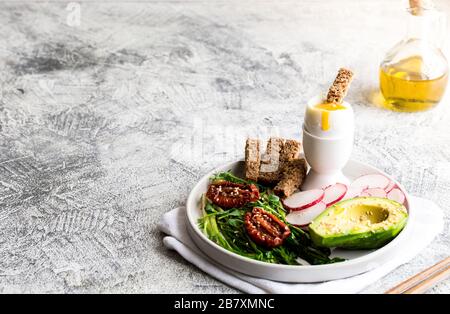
293	174
270	169
291	150
340	86
252	159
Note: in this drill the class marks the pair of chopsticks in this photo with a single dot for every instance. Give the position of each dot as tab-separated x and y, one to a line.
423	280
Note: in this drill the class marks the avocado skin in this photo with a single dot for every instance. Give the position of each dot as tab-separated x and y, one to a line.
365	240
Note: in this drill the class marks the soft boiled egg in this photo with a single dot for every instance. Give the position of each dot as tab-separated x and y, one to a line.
330	120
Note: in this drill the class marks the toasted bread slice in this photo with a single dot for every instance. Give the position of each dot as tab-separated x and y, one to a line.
291	151
340	86
294	172
252	159
270	169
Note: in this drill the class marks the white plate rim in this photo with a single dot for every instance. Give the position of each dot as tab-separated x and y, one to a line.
333	266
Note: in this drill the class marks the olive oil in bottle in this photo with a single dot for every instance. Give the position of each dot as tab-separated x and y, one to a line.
414	73
406	86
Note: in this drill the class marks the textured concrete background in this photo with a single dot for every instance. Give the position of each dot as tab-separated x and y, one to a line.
107	121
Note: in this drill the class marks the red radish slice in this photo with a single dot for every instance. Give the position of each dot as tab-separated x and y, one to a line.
334	193
376	192
390	186
302	200
364	193
396	195
305	216
353	192
371	181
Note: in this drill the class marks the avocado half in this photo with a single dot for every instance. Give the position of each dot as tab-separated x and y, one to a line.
359	223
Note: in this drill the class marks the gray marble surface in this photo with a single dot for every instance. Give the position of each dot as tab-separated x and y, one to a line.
111	111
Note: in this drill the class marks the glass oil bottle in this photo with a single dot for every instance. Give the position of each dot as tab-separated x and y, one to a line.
414	73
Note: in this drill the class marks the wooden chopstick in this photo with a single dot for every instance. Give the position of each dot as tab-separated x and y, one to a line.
423	280
427	284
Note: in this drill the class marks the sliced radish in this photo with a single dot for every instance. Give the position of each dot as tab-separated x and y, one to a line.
353	192
390	186
334	193
371	181
364	193
396	195
376	192
305	216
302	200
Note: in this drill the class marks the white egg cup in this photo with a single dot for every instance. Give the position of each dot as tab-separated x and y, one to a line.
326	156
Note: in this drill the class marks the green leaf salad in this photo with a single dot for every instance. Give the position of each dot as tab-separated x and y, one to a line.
226	228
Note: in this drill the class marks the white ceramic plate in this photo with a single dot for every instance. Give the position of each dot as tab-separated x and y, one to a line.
357	262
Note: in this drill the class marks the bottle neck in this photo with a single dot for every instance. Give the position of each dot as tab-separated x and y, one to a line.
418	27
428	27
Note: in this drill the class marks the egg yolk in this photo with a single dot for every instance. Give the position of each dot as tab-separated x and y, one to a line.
326	108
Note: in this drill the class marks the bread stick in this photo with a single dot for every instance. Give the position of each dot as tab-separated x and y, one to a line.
340	86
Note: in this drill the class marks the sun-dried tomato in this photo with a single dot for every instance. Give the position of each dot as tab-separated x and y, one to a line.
265	228
232	195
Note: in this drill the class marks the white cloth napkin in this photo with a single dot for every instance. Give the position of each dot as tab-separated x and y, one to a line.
425	225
